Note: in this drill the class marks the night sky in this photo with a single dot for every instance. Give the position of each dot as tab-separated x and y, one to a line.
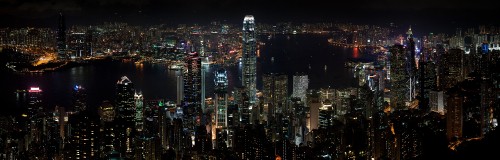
440	14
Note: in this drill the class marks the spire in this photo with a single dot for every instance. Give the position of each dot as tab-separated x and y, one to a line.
409	33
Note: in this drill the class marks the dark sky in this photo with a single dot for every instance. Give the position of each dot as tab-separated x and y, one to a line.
417	12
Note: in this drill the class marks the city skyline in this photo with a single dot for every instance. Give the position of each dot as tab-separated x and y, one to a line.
411	83
426	16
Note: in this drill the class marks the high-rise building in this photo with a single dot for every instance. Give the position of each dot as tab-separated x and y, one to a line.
399	78
300	86
204	69
61	37
125	105
452	65
180	90
77	46
454	116
34	101
249	58
314	103
275	94
221	103
437	102
79	98
192	84
403	73
107	136
139	112
84	135
125	99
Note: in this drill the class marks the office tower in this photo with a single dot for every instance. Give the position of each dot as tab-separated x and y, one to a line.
125	99
275	91
84	135
249	58
411	66
275	94
399	78
125	106
403	73
61	37
180	90
314	103
35	105
452	66
454	116
77	48
221	103
326	114
204	69
408	131
192	84
437	101
300	86
139	112
79	98
428	75
107	128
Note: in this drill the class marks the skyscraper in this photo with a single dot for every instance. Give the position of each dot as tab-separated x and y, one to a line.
84	135
34	101
400	78
125	99
300	86
79	98
180	90
61	37
249	58
204	70
125	106
220	110
275	97
139	114
192	84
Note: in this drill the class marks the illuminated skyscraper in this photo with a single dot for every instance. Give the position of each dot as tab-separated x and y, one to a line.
84	135
192	84
34	101
125	106
452	68
249	58
61	37
454	116
77	47
220	110
180	90
79	98
125	99
139	122
400	78
275	94
204	69
300	86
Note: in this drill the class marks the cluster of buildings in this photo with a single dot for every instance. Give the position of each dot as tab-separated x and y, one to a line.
402	105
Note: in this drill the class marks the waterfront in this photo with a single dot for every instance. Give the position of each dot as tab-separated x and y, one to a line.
283	54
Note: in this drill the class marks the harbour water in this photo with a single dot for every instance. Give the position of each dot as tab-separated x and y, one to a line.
309	54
